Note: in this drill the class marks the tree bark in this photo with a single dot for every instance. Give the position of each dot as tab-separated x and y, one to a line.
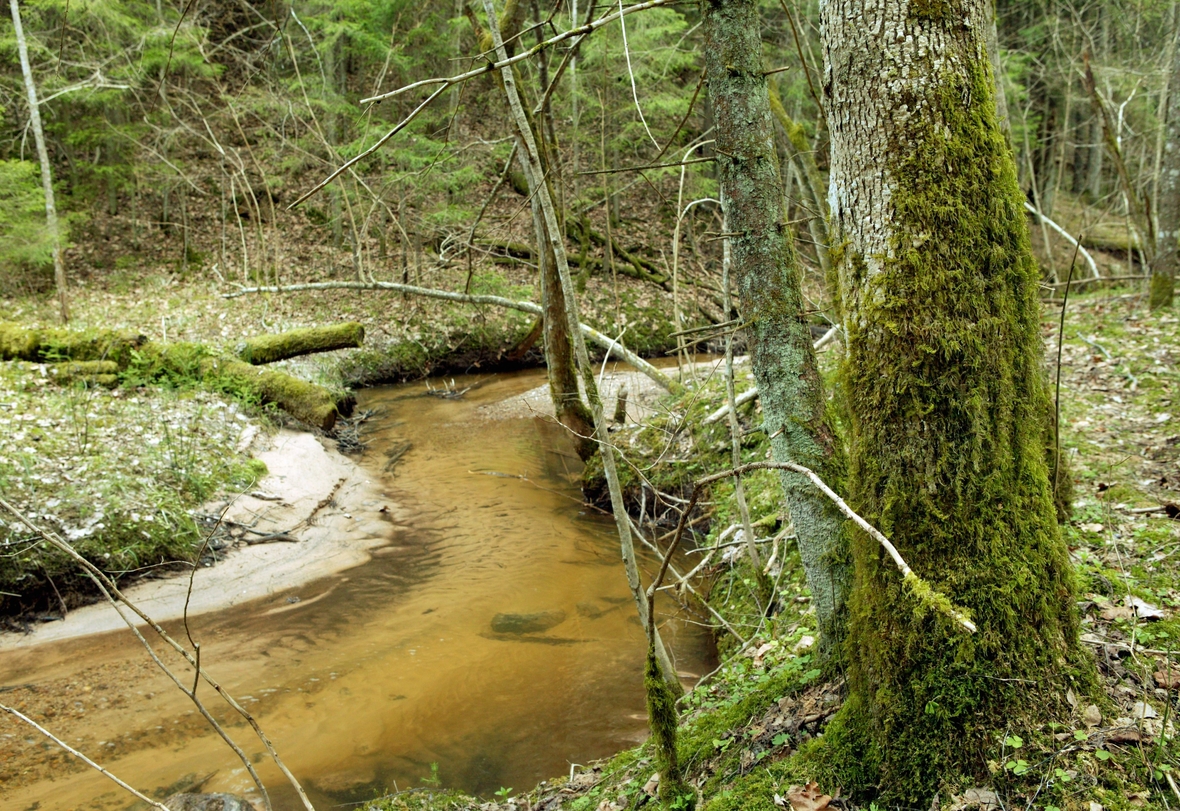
559	352
59	268
1167	259
768	282
947	403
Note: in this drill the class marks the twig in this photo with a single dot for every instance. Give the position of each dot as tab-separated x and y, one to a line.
1057	384
380	143
579	31
648	166
631	73
109	588
82	757
916	583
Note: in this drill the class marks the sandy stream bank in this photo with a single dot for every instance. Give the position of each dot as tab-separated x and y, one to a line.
311	491
319	496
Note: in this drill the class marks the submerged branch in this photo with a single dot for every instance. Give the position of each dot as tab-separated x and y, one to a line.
80	756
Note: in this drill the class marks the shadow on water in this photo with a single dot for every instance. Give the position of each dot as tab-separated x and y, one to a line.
372	676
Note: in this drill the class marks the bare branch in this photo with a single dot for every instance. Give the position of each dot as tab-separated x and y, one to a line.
109	587
81	756
381	142
579	31
921	588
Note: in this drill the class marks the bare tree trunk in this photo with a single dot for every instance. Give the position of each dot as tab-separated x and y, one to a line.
1167	260
768	282
947	406
609	464
59	268
560	365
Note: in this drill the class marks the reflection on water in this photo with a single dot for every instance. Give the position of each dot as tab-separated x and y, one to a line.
372	676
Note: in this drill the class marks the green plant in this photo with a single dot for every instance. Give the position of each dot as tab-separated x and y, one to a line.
433	779
503	792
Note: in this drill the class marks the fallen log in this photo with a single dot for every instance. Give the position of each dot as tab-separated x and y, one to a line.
48	345
304	401
99	356
264	349
92	372
604	341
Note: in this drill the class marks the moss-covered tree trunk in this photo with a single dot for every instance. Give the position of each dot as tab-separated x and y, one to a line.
945	390
768	282
1167	259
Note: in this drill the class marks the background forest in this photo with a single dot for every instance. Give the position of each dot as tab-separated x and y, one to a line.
180	134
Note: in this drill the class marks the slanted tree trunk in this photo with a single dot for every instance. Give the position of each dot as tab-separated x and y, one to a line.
1167	259
768	283
945	391
559	353
59	268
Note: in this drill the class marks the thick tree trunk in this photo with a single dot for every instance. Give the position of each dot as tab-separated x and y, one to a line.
945	391
1167	259
768	283
59	268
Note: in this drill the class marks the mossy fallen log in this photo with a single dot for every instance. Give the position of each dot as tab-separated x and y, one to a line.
133	358
91	372
293	343
48	345
304	401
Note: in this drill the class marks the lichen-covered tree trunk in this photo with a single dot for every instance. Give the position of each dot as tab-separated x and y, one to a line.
768	282
1167	259
945	391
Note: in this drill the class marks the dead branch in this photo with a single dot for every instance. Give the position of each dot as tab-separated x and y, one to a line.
920	587
109	588
82	757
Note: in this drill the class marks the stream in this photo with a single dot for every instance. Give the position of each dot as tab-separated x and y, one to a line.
406	672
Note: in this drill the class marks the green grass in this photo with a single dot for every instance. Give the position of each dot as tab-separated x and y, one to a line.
115	472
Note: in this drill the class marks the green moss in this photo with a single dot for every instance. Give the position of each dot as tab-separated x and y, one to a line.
750	792
948	409
663	718
1163	289
269	348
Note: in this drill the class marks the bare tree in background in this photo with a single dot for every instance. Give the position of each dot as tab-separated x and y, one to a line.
59	268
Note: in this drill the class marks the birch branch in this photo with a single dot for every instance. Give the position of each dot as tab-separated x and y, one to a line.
924	592
605	341
82	757
1068	237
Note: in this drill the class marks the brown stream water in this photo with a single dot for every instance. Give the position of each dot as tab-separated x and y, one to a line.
379	672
